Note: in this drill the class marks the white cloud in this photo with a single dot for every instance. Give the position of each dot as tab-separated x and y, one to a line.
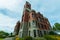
10	4
7	23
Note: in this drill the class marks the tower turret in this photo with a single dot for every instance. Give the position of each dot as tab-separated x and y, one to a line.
27	8
27	5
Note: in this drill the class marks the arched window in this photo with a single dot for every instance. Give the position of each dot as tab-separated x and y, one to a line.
33	15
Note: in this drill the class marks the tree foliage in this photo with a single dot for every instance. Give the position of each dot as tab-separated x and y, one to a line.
3	34
52	33
56	26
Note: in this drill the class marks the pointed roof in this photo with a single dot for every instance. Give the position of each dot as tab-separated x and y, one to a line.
27	3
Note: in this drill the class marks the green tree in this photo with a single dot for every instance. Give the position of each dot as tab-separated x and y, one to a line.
3	34
52	33
56	26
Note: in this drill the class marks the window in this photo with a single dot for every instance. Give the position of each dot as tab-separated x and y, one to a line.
36	23
39	19
41	33
38	33
44	32
45	27
39	25
29	24
42	26
33	15
29	33
33	22
34	33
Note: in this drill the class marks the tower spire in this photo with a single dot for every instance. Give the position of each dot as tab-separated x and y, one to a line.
27	5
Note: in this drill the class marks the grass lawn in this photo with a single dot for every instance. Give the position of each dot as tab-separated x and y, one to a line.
1	38
53	37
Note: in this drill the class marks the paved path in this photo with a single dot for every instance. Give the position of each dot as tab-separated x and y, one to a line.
10	38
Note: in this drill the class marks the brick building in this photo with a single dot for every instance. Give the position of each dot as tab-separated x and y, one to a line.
33	23
17	27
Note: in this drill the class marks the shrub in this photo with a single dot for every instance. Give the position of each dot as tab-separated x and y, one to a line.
49	38
52	33
21	38
39	38
28	38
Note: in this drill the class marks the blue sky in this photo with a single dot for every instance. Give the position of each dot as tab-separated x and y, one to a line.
11	11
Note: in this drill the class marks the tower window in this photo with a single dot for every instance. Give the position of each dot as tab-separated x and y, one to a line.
34	33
